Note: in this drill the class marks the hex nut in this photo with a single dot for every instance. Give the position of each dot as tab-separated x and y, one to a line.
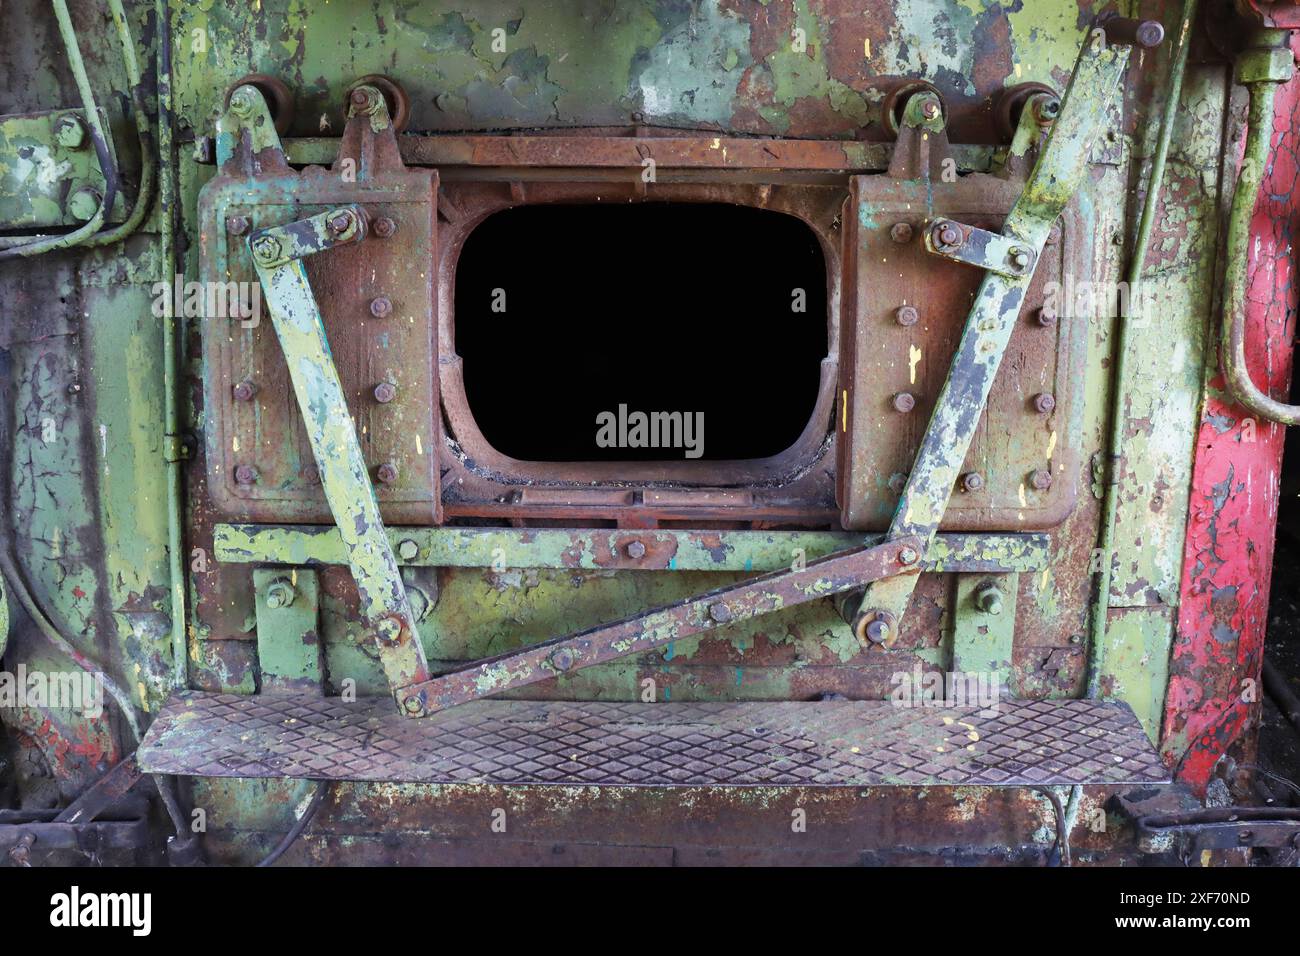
408	550
904	402
901	232
1044	403
636	550
386	473
1041	479
70	132
906	315
381	306
384	227
972	481
385	392
245	474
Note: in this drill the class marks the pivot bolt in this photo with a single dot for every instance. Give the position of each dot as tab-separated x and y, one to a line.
1044	403
385	392
244	391
636	549
384	227
266	249
972	481
904	402
947	235
245	474
388	631
412	705
1041	479
280	593
381	306
237	225
720	613
243	101
563	658
901	232
1020	259
930	108
386	473
908	556
70	132
408	550
906	315
340	222
988	598
878	628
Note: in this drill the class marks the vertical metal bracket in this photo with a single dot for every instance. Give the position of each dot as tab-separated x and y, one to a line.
277	256
984	625
290	652
1060	170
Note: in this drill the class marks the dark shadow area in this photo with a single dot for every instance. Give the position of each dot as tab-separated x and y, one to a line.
563	313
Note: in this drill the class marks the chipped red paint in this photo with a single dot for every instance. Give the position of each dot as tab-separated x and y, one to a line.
1214	673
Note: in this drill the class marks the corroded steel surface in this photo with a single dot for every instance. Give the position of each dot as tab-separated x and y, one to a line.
779	743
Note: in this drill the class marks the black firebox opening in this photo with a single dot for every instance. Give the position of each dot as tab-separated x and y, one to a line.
595	332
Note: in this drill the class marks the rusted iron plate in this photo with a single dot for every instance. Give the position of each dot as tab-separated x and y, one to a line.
376	300
659	626
601	549
883	358
785	743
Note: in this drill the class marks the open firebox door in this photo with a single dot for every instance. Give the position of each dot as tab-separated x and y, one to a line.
329	246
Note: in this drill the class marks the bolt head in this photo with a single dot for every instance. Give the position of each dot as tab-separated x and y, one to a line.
897	482
311	473
1044	403
244	391
70	132
720	613
412	705
339	223
636	550
908	556
901	232
947	235
563	658
906	315
385	392
384	227
388	630
1045	317
877	631
245	474
988	598
266	248
359	98
279	594
84	203
972	481
386	473
1041	479
381	306
904	402
237	225
243	100
1020	259
408	550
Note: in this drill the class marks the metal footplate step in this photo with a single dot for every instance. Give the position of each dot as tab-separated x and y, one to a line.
765	744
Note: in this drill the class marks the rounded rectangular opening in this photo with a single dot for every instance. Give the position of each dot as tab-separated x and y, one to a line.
641	331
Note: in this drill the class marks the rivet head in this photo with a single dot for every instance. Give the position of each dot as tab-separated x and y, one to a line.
972	481
245	474
386	473
906	315
408	550
636	549
385	392
563	658
720	613
901	232
381	306
237	225
1044	403
904	402
244	391
384	227
1041	479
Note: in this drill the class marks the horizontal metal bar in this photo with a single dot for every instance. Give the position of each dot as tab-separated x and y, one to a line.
602	549
448	151
729	604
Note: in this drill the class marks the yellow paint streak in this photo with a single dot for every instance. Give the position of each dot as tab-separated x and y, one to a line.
1051	445
913	357
1021	492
